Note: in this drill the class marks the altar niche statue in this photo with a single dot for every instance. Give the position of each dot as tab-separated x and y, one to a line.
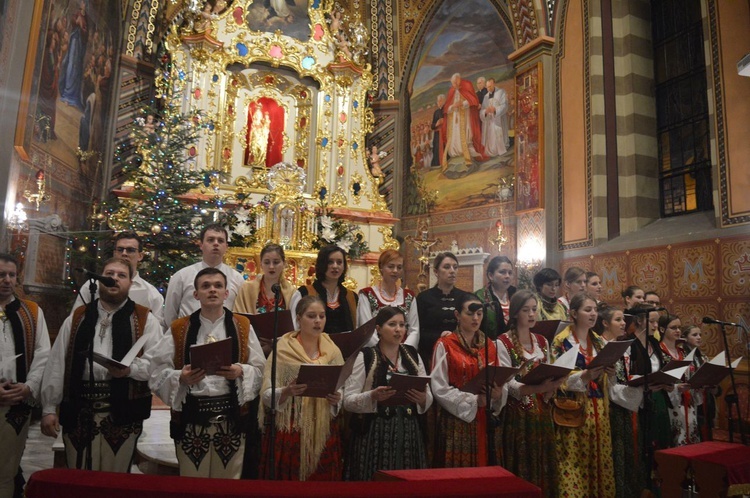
258	142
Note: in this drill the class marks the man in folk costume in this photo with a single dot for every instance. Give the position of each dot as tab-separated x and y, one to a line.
23	354
105	415
207	410
462	130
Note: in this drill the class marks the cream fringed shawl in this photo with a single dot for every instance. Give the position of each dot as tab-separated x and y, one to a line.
310	416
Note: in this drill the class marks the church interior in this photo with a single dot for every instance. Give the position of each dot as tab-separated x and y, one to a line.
599	134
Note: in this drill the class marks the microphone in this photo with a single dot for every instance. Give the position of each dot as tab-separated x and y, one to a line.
712	321
106	281
276	289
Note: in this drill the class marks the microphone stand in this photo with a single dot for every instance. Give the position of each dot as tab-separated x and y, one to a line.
732	398
490	430
90	429
272	433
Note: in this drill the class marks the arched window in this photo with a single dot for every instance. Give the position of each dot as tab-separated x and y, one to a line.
681	107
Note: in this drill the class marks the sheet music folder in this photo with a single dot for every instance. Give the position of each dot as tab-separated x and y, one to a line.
402	383
263	323
323	380
212	356
106	361
498	375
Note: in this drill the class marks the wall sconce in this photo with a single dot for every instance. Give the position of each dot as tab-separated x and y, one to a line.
40	196
501	239
17	219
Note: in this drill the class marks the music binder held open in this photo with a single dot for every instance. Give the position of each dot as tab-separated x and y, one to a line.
323	380
126	360
561	368
712	372
403	383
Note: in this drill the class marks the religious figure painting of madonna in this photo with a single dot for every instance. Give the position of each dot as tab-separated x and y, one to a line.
289	16
462	114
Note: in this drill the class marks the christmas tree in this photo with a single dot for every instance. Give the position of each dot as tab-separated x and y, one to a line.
162	205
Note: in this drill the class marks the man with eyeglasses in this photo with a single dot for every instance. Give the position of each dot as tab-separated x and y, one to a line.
129	248
24	349
652	298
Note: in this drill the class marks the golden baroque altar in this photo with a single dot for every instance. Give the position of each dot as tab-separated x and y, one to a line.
289	84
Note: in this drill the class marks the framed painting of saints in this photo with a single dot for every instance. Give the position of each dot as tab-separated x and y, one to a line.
68	85
462	113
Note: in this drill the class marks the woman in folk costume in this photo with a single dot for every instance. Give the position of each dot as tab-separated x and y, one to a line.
389	293
594	285
623	411
257	296
437	305
340	302
384	436
574	282
547	283
307	440
461	439
693	340
584	446
528	433
496	295
683	414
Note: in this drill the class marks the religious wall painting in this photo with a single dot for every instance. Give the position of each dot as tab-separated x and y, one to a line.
68	87
289	16
529	177
462	107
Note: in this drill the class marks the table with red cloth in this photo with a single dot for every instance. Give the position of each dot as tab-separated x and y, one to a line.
717	469
64	483
501	481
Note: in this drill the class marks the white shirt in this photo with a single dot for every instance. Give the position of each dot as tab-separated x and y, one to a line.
180	300
165	379
141	292
364	314
514	387
41	353
458	403
358	401
54	374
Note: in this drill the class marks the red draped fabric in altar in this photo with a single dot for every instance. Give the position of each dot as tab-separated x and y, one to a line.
276	132
64	483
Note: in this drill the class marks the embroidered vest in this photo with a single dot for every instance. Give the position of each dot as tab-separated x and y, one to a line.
130	400
26	315
181	349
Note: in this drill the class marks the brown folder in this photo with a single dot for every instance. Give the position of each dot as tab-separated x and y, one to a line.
549	328
323	380
610	354
544	371
210	357
402	383
263	323
351	342
498	375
